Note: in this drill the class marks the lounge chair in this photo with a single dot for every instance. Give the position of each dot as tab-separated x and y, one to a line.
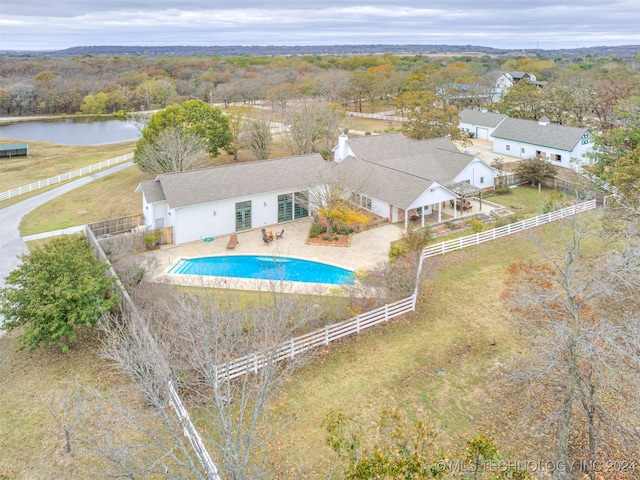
233	241
279	235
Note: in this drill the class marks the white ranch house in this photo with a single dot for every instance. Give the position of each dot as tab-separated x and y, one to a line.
558	144
402	178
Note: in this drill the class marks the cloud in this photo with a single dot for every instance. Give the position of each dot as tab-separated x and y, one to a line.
502	24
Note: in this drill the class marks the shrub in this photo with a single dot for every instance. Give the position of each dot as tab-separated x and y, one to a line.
554	201
477	225
316	230
152	238
503	191
397	251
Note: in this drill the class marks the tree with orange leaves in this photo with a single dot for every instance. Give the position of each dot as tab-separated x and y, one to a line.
582	363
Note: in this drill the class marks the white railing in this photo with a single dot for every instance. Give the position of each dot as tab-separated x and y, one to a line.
509	229
128	307
64	177
324	336
378	116
289	349
592	178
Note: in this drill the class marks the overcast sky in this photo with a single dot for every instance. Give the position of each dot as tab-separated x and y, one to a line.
547	24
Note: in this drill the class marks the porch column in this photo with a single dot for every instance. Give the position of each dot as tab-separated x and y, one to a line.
455	208
422	222
480	200
439	212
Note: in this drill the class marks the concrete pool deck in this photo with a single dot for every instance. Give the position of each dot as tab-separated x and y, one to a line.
367	249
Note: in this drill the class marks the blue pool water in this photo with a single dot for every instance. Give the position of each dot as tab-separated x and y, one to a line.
265	268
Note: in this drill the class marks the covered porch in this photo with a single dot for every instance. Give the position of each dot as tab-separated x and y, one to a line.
464	200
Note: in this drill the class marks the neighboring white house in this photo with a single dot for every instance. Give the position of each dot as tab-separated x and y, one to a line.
506	80
558	144
480	123
400	178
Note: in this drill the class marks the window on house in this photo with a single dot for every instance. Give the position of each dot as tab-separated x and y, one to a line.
361	201
508	148
243	216
285	207
300	204
481	180
522	150
555	157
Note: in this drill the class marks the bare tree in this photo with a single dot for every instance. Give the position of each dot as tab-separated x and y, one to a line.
174	150
196	338
584	365
313	126
259	135
68	412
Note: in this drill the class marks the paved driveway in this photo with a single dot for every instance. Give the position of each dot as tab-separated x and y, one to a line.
11	243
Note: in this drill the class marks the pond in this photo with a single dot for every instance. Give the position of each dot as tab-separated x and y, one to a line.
73	131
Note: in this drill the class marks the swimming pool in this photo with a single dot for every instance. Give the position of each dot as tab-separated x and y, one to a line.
265	267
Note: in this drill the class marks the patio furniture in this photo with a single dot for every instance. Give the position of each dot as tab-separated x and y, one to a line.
279	235
266	239
233	241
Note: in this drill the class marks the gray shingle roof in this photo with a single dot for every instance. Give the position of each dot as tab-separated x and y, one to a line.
392	186
239	180
435	159
551	135
152	191
476	117
398	170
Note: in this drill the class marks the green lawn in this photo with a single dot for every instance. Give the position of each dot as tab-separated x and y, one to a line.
437	362
109	197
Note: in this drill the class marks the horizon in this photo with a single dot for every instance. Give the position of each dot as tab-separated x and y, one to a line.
311	45
30	25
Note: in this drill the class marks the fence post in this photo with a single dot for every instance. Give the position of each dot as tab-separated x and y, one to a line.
326	335
386	312
293	348
357	323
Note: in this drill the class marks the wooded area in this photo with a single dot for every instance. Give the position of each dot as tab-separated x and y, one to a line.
104	84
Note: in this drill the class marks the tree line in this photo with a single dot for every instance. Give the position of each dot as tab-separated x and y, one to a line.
109	84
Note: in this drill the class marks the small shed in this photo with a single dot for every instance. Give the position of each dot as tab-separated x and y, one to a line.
14	150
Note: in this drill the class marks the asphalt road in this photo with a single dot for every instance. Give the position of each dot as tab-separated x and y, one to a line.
11	243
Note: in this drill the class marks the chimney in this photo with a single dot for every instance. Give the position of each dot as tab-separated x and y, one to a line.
342	151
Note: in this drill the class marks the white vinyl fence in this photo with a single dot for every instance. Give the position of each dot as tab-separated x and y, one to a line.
299	345
129	308
330	333
296	346
478	238
592	178
378	116
65	176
